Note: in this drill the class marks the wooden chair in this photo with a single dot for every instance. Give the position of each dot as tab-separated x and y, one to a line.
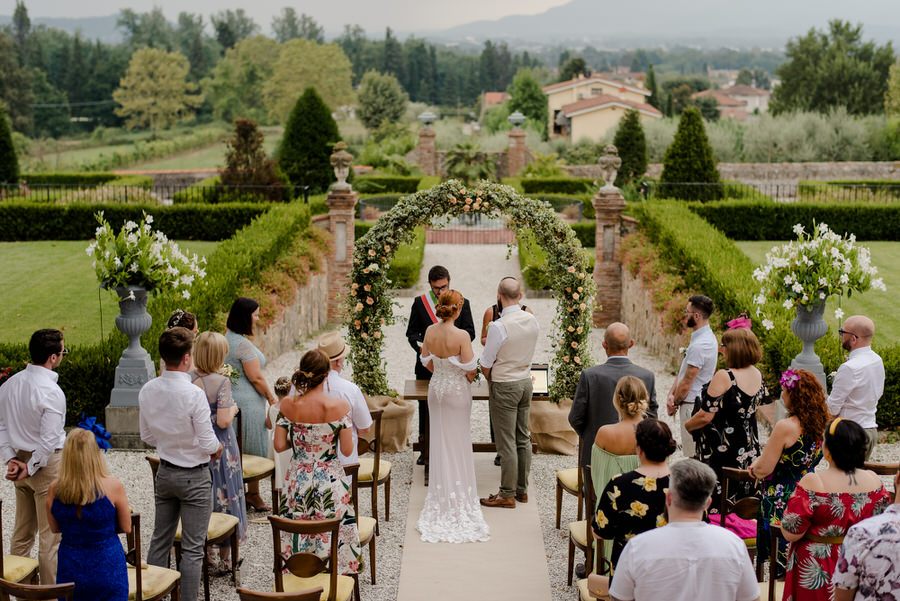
364	524
45	592
745	507
222	527
15	568
884	469
570	481
256	467
146	582
369	466
306	570
310	595
772	589
580	535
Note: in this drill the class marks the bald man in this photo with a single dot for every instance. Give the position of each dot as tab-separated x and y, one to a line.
593	405
859	381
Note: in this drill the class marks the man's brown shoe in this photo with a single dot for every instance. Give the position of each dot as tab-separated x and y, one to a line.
522	497
498	501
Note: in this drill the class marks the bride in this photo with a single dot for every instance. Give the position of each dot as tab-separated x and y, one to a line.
452	512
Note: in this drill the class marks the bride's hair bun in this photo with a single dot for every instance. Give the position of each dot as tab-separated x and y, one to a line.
448	302
631	398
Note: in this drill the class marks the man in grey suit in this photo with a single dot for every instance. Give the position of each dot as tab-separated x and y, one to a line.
593	405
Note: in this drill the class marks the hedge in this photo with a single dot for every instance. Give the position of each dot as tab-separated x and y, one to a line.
211	190
407	263
557	185
203	191
586	232
888	186
713	265
366	184
533	261
761	220
21	221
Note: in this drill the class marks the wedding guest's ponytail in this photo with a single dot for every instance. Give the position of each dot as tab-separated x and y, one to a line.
313	370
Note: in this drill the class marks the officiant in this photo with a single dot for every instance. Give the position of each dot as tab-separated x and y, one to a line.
423	315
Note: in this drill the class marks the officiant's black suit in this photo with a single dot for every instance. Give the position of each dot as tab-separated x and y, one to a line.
419	320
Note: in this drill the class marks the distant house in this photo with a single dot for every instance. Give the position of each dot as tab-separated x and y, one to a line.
587	107
738	102
492	98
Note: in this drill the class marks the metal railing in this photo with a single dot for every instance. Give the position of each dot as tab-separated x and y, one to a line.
812	192
148	193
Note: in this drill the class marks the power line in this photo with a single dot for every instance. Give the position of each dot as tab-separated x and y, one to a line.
71	104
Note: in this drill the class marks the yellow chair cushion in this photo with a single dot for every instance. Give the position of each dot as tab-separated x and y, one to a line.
568	478
764	591
367	466
750	542
254	465
16	567
577	531
366	526
295	584
154	580
220	524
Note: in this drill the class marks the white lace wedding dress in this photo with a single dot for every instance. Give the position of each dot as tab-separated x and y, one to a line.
452	512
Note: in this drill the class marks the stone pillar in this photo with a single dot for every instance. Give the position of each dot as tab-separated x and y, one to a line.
517	153
427	153
341	203
608	206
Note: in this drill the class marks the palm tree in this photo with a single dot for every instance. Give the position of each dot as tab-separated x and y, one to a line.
469	163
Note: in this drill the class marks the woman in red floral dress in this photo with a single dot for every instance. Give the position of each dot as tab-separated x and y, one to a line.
823	507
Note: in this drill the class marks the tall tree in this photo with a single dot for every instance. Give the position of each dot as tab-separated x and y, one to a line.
527	97
155	92
834	68
77	70
21	30
632	146
304	155
191	42
15	85
653	87
9	162
393	61
236	86
146	29
489	67
761	79
311	30
381	100
572	68
232	26
892	95
690	159
246	163
287	26
744	77
52	117
359	50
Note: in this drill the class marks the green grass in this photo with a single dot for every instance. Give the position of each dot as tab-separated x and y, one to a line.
877	305
51	284
209	157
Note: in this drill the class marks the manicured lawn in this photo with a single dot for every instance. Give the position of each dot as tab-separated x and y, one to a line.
209	157
877	305
52	285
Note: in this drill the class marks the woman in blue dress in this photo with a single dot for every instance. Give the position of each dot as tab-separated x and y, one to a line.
251	392
89	507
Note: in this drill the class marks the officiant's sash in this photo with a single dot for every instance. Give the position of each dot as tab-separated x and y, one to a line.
429	307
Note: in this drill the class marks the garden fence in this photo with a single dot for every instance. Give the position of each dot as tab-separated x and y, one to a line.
816	192
148	193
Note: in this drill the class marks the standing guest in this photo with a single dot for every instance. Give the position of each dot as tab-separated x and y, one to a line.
421	315
868	567
725	420
824	506
687	559
859	381
697	367
209	354
32	416
506	364
311	426
593	403
89	507
251	391
181	319
282	390
175	419
336	350
793	450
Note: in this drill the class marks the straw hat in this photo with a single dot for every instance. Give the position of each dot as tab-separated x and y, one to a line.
333	346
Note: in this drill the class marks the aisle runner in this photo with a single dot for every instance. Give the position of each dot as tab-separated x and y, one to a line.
512	565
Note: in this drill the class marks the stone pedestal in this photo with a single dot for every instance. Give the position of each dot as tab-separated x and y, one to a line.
341	212
517	153
426	151
608	206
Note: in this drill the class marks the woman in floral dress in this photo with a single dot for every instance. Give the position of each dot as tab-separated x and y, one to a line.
793	450
724	425
315	487
824	506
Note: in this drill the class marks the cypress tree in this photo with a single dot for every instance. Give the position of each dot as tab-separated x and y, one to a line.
9	164
653	88
690	159
305	152
632	146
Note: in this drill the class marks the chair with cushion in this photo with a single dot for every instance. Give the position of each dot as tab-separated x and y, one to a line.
256	467
570	481
772	589
580	534
306	570
38	592
146	582
374	464
310	595
364	523
222	527
15	568
745	507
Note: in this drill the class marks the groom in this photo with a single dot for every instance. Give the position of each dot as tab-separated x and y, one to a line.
506	364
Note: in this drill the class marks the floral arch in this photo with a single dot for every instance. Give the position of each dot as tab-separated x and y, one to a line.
370	308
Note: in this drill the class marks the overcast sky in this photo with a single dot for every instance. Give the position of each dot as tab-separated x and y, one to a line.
372	15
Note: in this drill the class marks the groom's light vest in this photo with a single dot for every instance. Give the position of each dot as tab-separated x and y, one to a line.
513	361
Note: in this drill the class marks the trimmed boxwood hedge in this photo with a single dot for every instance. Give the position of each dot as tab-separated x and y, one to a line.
407	262
556	185
376	184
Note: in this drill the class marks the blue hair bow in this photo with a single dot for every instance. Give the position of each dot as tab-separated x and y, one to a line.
90	424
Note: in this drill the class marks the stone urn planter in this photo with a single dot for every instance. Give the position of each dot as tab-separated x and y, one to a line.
809	326
135	366
396	421
550	429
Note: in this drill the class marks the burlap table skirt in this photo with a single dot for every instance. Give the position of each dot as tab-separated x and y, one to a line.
396	421
550	429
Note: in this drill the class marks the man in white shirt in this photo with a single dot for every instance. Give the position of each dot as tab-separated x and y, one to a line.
175	419
686	560
336	350
32	417
506	364
697	367
859	382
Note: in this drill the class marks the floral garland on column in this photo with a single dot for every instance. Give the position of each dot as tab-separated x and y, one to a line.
370	308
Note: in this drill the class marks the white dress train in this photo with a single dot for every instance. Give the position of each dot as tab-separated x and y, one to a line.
452	512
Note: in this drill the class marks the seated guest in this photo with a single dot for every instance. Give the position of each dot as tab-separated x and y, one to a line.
793	450
636	501
687	559
824	506
868	565
89	507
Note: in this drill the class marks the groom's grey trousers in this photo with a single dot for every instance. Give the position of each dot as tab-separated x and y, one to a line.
510	406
